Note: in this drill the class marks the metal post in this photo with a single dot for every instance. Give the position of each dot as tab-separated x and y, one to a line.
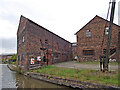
109	36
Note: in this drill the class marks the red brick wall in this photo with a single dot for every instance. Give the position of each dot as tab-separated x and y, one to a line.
61	49
119	46
96	27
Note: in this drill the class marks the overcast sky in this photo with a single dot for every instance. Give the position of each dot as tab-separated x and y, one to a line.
63	17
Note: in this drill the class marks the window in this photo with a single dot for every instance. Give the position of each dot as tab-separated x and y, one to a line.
74	44
22	58
46	41
88	33
56	55
104	51
77	38
18	59
106	30
23	39
19	42
88	52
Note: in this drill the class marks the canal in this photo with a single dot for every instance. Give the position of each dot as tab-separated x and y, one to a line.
10	79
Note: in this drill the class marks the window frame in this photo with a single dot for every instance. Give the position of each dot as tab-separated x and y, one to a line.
23	39
89	52
88	33
106	30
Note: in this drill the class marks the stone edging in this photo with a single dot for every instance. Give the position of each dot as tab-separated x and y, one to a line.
11	67
66	82
62	81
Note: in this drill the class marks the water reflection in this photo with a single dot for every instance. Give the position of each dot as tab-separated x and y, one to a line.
13	80
8	77
26	82
0	76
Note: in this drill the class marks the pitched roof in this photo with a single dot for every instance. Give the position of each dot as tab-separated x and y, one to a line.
44	28
92	19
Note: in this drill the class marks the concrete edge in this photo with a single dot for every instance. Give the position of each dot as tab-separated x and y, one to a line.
61	81
66	82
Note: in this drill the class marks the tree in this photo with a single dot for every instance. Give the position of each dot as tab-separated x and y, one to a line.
14	57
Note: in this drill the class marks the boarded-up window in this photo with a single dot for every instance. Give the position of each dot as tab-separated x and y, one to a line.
88	52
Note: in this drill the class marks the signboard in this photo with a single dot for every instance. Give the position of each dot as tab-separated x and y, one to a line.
38	58
32	61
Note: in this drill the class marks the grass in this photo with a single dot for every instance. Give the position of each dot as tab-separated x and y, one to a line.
110	78
13	63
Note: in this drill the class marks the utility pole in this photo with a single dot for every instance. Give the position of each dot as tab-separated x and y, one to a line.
109	35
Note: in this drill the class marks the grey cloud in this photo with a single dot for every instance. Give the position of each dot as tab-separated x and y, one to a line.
11	18
9	44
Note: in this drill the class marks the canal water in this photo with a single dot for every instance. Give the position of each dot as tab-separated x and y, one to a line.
10	79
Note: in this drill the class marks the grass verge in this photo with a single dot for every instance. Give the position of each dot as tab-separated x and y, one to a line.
94	76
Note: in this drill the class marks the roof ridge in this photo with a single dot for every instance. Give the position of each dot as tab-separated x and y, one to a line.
44	28
92	19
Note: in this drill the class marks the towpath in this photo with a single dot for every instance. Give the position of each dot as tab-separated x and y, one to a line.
74	64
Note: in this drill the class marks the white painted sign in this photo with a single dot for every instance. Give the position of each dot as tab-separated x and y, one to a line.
38	58
32	61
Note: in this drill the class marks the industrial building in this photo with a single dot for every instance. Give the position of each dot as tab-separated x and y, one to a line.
90	38
37	45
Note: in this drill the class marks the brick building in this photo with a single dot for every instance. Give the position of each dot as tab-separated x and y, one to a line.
90	37
118	47
74	50
6	56
28	45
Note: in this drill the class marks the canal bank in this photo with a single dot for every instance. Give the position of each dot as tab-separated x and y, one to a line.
63	81
11	79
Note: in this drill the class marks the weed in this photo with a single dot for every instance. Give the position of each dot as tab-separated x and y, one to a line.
96	76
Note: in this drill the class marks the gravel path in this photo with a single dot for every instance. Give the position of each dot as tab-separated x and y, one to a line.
74	64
